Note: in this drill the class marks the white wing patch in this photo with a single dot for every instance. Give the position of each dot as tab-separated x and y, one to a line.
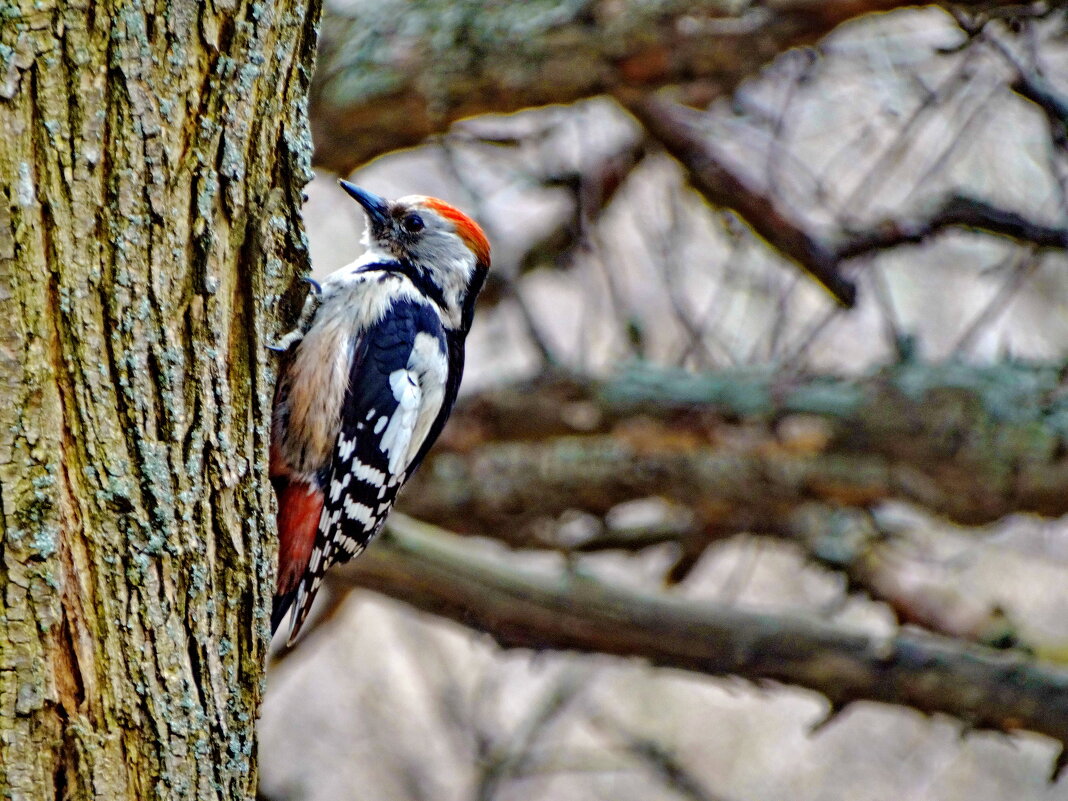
431	364
345	447
398	434
419	391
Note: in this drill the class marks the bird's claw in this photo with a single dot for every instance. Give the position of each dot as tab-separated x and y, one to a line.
315	285
286	342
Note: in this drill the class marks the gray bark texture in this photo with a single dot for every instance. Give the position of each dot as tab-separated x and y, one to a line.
151	160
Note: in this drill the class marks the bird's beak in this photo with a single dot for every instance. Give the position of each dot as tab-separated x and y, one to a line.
377	208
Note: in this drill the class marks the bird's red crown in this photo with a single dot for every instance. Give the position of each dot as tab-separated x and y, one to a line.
467	229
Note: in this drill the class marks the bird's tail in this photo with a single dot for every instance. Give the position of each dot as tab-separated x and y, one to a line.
282	604
299	508
299	602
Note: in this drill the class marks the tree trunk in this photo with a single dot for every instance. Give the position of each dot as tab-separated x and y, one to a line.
152	160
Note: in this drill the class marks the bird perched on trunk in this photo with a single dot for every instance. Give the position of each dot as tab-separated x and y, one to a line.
367	381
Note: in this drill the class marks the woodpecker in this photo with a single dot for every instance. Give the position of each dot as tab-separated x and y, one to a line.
367	380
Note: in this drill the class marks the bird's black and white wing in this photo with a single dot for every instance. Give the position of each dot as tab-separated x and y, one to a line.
397	385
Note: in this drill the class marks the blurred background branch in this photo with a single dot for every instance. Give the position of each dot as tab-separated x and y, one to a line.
389	75
742	449
433	571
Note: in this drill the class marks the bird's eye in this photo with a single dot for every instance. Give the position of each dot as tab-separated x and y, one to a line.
413	223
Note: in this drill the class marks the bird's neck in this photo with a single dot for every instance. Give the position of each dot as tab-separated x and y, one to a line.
418	277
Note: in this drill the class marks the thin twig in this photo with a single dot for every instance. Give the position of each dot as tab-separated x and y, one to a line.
956	212
675	128
1022	265
664	764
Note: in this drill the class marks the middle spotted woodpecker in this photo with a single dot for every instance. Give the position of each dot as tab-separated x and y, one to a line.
367	381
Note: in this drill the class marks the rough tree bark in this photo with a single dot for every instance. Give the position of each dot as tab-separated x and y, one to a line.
152	159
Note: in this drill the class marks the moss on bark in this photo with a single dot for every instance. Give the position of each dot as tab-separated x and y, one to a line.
152	160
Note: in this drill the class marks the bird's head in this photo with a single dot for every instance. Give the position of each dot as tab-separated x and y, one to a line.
439	243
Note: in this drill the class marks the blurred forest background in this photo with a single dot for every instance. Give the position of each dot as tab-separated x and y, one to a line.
765	411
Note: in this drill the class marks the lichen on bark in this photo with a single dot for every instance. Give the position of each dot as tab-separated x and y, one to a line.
152	162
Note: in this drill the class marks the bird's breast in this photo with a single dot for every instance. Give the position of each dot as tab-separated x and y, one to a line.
317	380
318	376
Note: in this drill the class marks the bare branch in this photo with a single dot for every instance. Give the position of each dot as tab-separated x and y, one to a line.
593	186
1020	266
875	562
673	126
660	760
383	83
1038	91
513	756
879	563
439	573
956	212
1029	84
743	448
